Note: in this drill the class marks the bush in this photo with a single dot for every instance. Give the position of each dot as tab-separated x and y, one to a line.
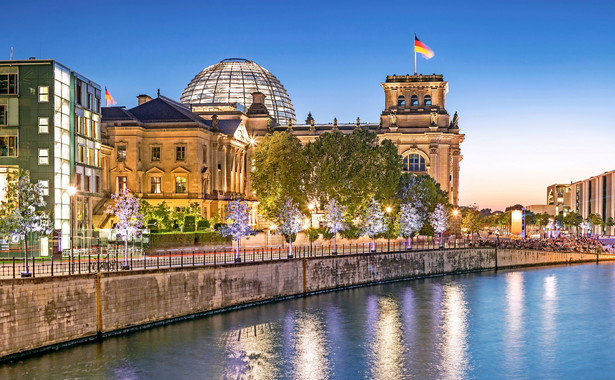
326	234
189	222
313	234
217	226
294	236
351	232
202	224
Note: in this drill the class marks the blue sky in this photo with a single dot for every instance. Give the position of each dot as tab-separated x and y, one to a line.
532	81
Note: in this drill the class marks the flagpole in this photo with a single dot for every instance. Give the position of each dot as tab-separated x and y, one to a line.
414	47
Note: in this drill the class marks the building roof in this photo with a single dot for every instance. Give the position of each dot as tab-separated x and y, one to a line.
159	110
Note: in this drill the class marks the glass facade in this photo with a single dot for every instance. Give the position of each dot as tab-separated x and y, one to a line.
234	81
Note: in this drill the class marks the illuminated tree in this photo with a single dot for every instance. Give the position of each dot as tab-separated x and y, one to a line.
237	222
410	220
18	214
439	221
290	221
129	219
472	220
334	220
373	221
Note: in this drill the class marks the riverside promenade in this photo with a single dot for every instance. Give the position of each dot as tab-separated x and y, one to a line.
43	312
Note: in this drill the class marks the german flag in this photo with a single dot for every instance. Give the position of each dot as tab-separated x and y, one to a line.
420	47
108	98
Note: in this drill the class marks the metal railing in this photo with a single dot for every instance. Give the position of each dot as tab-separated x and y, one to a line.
112	261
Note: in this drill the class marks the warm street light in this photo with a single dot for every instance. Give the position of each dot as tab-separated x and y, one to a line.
388	210
311	208
455	212
72	190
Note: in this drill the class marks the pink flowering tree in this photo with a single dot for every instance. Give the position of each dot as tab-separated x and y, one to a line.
290	221
18	211
129	220
439	221
334	219
410	220
373	221
237	223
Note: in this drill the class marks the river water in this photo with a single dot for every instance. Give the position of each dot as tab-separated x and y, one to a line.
548	323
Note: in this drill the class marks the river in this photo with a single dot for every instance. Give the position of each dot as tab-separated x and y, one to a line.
546	323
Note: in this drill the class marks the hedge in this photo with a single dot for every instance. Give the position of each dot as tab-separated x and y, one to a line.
179	239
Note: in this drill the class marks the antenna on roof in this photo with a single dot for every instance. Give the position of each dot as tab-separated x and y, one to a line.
11	53
158	92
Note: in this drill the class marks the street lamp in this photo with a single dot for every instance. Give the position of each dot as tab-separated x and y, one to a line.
311	208
455	215
388	210
71	193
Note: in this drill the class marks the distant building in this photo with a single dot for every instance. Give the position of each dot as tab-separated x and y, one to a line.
50	125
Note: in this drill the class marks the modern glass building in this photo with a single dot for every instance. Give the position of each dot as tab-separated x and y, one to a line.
50	126
232	82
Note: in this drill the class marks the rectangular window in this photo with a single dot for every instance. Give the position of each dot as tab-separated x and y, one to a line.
180	153
97	188
204	155
180	185
78	92
156	187
8	84
78	181
43	156
3	118
122	183
44	187
81	156
86	184
43	94
95	132
121	152
90	156
43	125
8	146
155	153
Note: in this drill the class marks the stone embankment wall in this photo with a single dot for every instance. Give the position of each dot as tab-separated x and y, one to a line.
39	312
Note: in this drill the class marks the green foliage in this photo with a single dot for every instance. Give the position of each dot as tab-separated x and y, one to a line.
217	226
351	232
167	219
530	218
326	235
279	168
314	232
425	192
610	222
202	224
189	223
352	169
472	220
542	219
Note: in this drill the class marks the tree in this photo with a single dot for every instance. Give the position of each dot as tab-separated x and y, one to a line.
373	221
596	221
18	213
352	169
334	219
423	190
289	220
472	220
278	172
129	219
237	222
410	220
439	221
542	220
610	222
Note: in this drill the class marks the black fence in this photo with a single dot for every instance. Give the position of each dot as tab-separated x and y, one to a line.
81	263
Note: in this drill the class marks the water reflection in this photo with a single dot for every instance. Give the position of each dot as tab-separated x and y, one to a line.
513	330
251	353
455	357
310	359
549	313
386	348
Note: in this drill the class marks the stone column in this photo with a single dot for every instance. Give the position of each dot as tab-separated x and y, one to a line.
456	156
433	157
228	161
213	183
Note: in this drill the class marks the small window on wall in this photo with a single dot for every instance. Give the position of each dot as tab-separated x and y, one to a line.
43	125
8	84
156	185
180	185
155	153
43	94
414	163
44	187
8	146
121	152
3	118
427	100
414	101
43	156
401	101
180	153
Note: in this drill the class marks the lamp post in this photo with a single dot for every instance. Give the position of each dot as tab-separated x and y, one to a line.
311	208
71	193
388	210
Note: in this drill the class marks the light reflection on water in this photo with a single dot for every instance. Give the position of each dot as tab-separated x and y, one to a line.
547	323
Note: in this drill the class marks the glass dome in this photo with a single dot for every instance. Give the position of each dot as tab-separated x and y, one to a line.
234	80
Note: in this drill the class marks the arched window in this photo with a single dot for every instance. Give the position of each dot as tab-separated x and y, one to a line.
414	100
401	101
414	163
427	100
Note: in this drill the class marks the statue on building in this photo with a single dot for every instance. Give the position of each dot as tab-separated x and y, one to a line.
214	123
358	122
335	123
269	129
433	119
455	122
393	118
310	119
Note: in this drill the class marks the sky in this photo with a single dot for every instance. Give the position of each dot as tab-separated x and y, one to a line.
532	81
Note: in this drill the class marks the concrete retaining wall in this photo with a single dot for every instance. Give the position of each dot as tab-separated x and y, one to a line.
40	312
